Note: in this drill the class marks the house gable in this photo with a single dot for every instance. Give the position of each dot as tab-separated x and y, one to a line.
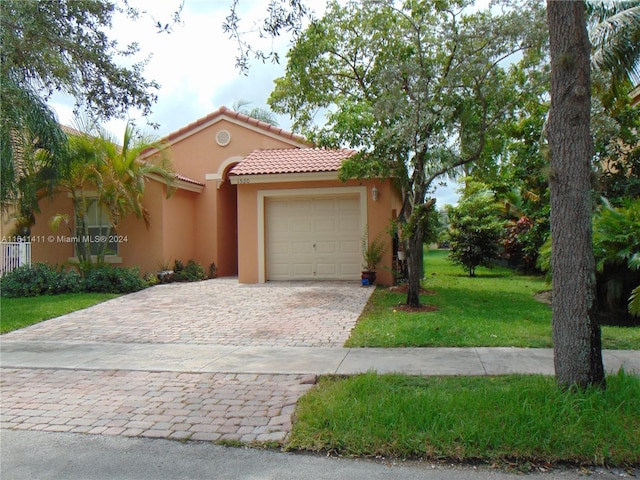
205	149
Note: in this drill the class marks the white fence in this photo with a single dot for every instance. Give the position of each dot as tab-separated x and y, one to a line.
14	255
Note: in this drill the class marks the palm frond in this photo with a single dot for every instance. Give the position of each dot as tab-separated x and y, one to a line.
634	302
615	38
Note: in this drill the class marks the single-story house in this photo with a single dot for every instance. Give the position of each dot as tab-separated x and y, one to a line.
259	202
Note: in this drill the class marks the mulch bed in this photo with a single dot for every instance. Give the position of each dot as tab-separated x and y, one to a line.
404	288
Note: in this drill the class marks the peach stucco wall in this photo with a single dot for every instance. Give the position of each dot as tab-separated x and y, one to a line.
190	225
379	214
48	244
219	223
140	246
199	157
179	228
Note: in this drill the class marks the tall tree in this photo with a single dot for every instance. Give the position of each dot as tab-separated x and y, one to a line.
282	16
60	46
419	89
576	332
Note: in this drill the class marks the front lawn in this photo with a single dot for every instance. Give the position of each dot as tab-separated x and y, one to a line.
514	418
21	312
497	308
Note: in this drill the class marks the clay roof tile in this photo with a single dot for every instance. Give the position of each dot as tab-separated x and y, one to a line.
291	160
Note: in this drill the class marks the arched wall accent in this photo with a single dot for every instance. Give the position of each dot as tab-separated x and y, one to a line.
219	175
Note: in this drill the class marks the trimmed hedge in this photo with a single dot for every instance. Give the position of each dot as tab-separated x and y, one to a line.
113	280
45	279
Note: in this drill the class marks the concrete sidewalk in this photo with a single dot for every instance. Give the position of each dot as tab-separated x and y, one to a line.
212	393
190	358
213	361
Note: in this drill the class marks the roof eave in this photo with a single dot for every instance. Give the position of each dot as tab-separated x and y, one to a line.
283	177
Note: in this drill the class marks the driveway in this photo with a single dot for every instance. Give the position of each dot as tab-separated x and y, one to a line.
213	361
119	397
216	312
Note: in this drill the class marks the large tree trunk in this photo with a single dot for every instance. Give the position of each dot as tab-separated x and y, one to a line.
414	268
417	225
576	333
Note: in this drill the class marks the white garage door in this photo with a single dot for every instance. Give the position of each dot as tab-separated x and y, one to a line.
313	238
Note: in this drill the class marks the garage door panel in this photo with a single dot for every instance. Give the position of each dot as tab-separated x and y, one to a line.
279	248
321	234
302	270
350	269
280	226
346	204
279	269
300	208
301	225
350	248
301	247
326	269
327	248
347	227
326	225
325	205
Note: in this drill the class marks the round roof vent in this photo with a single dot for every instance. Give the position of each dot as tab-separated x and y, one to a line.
223	137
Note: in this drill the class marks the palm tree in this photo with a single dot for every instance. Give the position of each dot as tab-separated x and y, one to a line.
32	149
124	175
263	114
117	174
615	37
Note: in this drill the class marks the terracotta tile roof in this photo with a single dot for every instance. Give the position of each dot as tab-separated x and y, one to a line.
291	160
224	111
189	180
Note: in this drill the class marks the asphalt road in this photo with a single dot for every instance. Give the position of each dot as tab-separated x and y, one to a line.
46	455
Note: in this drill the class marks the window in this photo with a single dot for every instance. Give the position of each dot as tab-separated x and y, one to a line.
99	230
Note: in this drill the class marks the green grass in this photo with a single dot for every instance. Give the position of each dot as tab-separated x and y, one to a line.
490	419
497	308
21	312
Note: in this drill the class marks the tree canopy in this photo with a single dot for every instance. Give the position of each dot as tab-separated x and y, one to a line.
419	89
60	46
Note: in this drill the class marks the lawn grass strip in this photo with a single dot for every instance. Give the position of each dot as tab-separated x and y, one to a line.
516	418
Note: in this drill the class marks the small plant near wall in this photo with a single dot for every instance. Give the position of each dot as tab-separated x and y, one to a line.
191	272
372	253
213	270
165	273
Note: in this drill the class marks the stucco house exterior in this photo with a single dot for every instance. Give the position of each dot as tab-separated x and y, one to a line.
259	202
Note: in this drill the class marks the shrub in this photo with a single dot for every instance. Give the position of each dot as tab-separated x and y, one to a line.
106	279
39	279
151	279
191	272
475	230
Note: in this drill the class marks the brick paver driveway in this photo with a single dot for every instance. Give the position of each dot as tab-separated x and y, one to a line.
181	405
217	312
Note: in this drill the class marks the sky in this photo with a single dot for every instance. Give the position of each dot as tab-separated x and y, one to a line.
195	66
